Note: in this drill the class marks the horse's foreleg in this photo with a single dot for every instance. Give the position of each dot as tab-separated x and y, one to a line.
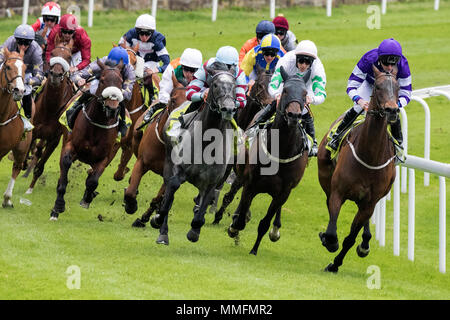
274	233
43	158
65	162
239	217
130	193
154	205
7	203
126	155
172	185
227	199
363	249
31	151
92	183
329	238
199	215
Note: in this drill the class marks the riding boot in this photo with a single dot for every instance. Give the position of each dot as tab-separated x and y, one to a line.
148	85
308	124
349	117
27	105
122	123
396	130
72	112
150	112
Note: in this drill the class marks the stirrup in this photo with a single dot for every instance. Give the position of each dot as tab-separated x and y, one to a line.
313	151
27	126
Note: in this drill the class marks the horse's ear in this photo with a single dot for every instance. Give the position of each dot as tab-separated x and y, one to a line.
115	45
136	47
70	44
5	52
120	65
22	53
57	39
307	75
174	80
259	69
394	70
100	64
284	74
376	72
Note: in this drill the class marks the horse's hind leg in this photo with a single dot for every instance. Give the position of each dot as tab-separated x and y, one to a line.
65	162
363	249
30	166
360	220
199	215
274	233
139	170
122	169
329	238
240	215
227	199
39	168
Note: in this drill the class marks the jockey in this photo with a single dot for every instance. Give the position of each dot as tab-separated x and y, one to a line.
93	70
386	57
264	27
67	29
287	37
152	48
299	62
51	12
265	55
23	40
183	68
197	89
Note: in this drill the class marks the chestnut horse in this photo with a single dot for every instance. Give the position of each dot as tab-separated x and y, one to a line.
12	88
50	104
286	166
93	136
149	150
364	171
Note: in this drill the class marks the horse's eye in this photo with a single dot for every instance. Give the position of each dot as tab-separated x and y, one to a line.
8	68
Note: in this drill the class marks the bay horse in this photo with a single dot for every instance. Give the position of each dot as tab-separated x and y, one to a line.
193	159
149	149
93	136
364	171
50	104
290	160
257	99
12	88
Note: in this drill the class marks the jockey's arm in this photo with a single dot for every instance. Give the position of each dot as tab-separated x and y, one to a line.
276	84
38	69
241	88
128	82
318	81
85	52
166	85
248	62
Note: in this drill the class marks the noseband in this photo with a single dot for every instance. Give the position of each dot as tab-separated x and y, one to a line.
381	110
9	81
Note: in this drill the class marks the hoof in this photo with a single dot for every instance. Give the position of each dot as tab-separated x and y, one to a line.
54	215
154	222
7	204
362	253
193	236
138	224
29	191
163	239
331	268
253	252
332	246
84	204
130	204
274	236
248	216
233	233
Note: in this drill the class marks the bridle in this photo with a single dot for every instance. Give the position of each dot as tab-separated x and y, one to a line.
380	110
10	81
212	97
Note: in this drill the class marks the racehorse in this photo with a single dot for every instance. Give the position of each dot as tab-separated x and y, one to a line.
364	171
12	75
93	136
202	169
136	108
257	99
50	103
149	149
290	159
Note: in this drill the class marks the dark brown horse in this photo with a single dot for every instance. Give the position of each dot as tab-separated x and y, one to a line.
149	150
12	88
364	171
257	99
284	151
93	136
136	108
50	104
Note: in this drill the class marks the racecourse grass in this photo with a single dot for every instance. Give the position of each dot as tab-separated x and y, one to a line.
118	262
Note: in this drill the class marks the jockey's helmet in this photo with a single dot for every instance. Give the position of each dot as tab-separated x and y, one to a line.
306	47
228	55
389	51
264	27
118	53
51	9
191	58
24	31
270	41
281	22
68	22
145	21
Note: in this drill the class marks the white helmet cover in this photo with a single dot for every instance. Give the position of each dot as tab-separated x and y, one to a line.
191	58
306	47
51	9
146	21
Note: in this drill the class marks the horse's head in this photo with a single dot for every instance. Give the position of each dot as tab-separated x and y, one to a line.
293	97
259	91
13	73
60	61
222	90
385	95
110	87
135	60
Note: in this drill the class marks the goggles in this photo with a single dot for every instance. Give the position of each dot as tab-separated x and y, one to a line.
65	31
189	69
23	42
389	60
269	52
50	19
304	59
280	31
143	32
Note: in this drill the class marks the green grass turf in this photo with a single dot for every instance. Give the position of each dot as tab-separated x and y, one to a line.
118	262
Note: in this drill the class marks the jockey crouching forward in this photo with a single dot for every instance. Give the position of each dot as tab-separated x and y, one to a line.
386	57
152	48
183	68
23	40
51	12
197	90
93	70
299	62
